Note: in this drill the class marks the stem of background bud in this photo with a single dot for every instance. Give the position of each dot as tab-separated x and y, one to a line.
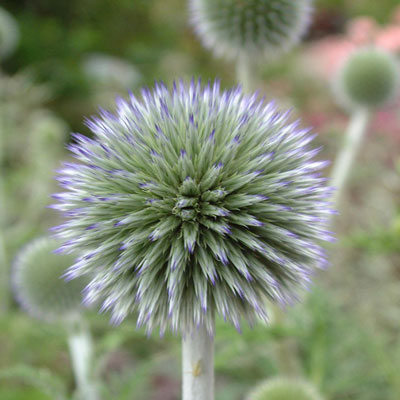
198	366
81	352
353	139
4	273
245	74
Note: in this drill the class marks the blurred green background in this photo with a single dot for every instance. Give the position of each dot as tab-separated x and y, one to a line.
344	337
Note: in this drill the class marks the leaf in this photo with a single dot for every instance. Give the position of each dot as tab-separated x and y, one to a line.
42	379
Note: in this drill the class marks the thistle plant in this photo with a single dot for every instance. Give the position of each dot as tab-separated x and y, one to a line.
40	289
192	203
368	79
247	30
285	389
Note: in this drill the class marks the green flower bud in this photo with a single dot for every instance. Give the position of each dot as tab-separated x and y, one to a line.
38	283
370	78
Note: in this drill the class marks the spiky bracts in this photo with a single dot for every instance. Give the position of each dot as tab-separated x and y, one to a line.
38	283
193	202
250	28
370	78
285	389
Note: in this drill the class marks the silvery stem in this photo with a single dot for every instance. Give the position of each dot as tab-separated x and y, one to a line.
198	366
245	74
81	352
354	136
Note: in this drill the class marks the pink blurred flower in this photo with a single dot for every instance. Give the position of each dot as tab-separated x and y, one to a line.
387	122
389	38
362	30
329	53
326	55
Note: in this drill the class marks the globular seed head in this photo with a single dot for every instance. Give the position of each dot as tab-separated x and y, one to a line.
39	285
9	33
252	28
370	77
285	389
192	202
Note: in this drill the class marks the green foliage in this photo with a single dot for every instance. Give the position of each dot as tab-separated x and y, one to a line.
381	10
285	389
45	381
9	34
123	385
32	140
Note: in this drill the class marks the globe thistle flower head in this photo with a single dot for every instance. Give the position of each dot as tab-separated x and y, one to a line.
370	77
192	202
251	28
285	389
38	283
9	33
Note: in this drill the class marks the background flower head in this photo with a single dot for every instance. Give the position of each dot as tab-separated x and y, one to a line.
232	28
38	283
191	202
369	77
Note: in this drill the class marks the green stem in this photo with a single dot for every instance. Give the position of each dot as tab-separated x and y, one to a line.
4	279
81	352
198	366
245	74
354	137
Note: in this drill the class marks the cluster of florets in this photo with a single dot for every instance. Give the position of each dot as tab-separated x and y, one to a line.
251	28
38	282
369	78
193	202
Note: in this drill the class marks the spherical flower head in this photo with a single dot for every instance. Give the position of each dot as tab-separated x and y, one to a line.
38	283
285	389
192	202
9	33
250	28
369	78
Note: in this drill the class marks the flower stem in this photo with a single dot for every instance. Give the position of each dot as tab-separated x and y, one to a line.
4	279
245	74
354	136
198	366
81	352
